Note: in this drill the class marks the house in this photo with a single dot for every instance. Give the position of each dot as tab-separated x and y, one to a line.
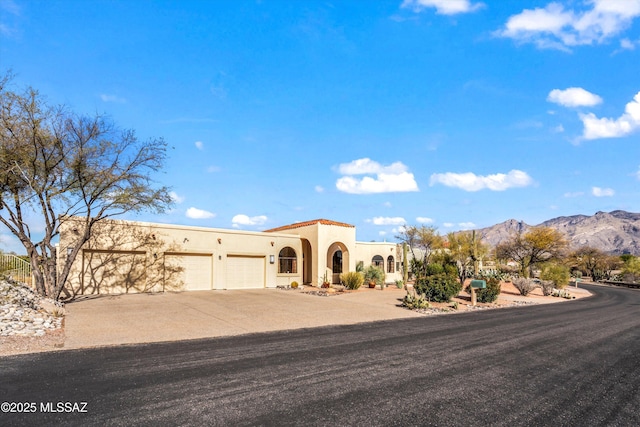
127	256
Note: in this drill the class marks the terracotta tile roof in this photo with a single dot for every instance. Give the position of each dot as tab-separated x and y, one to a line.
308	223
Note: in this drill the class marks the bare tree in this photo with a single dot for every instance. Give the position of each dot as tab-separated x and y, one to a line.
58	165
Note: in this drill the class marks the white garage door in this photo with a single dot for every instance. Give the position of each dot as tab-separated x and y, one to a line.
188	272
245	272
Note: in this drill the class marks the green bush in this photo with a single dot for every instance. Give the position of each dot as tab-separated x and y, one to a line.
492	291
352	280
438	287
557	273
374	274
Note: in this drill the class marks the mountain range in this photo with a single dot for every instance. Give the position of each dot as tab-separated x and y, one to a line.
616	232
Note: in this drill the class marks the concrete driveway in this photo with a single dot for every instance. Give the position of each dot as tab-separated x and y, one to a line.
142	318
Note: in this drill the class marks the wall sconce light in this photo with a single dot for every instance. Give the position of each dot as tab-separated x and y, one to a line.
272	243
155	256
69	250
153	236
272	259
185	240
219	240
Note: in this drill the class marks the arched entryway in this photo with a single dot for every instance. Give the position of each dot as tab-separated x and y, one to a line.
337	260
307	264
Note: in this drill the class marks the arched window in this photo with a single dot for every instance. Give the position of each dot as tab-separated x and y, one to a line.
287	261
378	261
390	264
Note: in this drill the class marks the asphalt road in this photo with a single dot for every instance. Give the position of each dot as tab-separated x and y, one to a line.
572	364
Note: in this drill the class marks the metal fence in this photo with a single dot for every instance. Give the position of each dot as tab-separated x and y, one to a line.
15	268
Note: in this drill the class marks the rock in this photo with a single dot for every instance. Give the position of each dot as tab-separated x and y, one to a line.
24	313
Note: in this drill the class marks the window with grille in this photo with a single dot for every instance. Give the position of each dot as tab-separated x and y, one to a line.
287	261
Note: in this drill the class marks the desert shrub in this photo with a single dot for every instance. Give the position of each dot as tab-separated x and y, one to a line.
352	280
374	274
524	286
557	273
438	287
547	287
360	266
415	302
399	284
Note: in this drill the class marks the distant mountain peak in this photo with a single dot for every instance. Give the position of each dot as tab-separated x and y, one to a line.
615	232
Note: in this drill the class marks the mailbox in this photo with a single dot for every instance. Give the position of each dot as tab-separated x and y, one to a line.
478	284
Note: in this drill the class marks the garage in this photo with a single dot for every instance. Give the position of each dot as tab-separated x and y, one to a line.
188	272
245	272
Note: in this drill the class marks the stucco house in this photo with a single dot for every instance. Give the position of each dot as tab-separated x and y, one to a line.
128	256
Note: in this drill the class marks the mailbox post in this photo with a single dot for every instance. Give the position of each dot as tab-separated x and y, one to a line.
476	284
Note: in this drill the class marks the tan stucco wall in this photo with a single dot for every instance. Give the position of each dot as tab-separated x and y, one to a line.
365	251
135	256
150	241
326	238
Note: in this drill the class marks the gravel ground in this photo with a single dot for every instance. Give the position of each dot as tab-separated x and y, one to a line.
17	345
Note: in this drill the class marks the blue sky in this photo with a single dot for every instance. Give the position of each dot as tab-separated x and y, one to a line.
455	114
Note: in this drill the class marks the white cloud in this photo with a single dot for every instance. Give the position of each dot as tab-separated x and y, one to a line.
382	233
627	44
574	97
112	98
385	220
637	174
10	243
557	129
472	182
175	197
196	213
443	7
388	179
319	189
558	28
199	145
602	192
466	225
399	230
242	219
448	224
627	123
424	220
212	169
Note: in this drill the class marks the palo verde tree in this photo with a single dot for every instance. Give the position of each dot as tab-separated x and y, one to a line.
422	242
56	165
538	245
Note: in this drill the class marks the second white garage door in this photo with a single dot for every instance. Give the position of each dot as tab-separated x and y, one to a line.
245	272
189	272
